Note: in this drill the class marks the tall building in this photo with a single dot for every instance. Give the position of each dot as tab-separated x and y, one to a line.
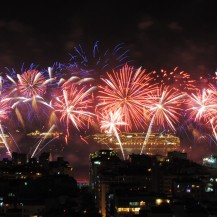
108	172
45	158
100	161
153	144
19	158
143	184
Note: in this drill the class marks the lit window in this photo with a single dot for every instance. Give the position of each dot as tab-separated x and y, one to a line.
159	201
142	203
135	210
134	203
188	190
209	189
123	209
97	162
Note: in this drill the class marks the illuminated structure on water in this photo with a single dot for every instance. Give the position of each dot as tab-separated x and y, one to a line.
3	137
158	143
47	141
38	134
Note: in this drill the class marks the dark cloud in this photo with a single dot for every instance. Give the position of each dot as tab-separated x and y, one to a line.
159	34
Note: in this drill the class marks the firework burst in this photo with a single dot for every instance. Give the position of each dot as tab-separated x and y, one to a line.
110	120
31	83
164	109
126	89
74	104
202	107
203	104
166	106
96	62
179	80
5	111
28	89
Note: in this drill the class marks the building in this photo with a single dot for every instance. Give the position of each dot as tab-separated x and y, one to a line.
100	161
19	158
177	154
123	201
37	188
151	185
45	158
107	169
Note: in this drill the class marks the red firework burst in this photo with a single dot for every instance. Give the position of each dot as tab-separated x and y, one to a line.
126	89
74	104
31	83
165	106
179	80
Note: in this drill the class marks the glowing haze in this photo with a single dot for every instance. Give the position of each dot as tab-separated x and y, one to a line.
74	100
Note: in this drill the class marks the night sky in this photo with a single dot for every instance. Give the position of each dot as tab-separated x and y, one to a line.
158	34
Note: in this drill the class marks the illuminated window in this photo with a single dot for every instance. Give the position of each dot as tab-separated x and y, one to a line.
11	194
159	201
134	203
142	203
209	188
123	209
188	190
126	210
135	210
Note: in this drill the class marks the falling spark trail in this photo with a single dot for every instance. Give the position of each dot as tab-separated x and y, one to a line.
127	89
109	121
4	140
41	140
213	129
45	146
148	133
163	108
119	142
14	142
